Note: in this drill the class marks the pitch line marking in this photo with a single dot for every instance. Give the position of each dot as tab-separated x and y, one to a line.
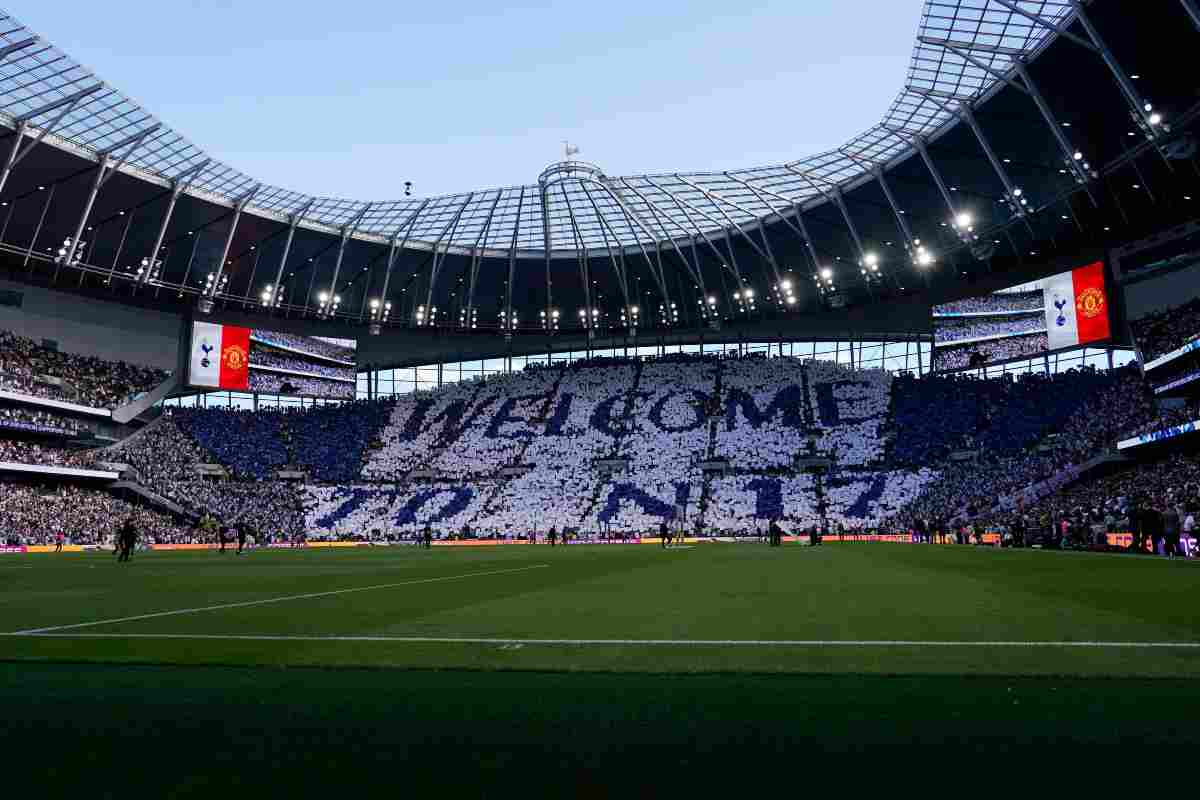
246	603
49	634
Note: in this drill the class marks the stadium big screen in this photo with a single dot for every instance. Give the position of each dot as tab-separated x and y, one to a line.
259	360
1054	313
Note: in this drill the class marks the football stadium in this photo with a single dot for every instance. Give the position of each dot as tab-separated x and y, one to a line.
891	449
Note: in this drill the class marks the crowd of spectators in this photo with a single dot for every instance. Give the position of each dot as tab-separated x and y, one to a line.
164	459
340	349
978	353
26	365
24	451
36	515
1163	331
275	383
955	330
1018	431
262	357
998	303
16	418
1144	499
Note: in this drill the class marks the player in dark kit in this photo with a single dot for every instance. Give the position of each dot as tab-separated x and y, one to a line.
58	542
553	536
221	537
241	534
664	534
126	538
427	535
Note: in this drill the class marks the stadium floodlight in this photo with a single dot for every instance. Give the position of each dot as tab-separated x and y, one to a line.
634	309
791	299
924	259
750	293
323	297
827	273
871	259
712	301
1155	119
963	220
787	286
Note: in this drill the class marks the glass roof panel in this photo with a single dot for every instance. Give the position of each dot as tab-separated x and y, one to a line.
47	88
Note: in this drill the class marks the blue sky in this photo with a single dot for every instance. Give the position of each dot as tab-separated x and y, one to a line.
352	98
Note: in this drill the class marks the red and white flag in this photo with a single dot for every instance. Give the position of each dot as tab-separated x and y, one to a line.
1076	307
220	357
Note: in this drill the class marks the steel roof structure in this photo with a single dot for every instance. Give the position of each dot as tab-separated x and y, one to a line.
1024	130
54	95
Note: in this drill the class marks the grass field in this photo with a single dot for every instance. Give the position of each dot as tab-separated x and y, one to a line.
873	608
482	659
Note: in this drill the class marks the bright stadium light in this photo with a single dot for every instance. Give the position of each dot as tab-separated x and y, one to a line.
1155	119
827	273
963	220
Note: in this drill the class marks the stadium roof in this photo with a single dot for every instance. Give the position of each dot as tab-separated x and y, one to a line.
1027	131
572	210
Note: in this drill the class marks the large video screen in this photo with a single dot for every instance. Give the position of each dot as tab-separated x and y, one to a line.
260	360
1061	311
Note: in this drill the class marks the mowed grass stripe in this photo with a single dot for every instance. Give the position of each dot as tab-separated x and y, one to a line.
271	600
605	642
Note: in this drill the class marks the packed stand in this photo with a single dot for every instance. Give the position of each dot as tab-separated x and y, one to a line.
260	357
961	357
1077	414
963	329
339	349
998	303
499	423
1152	501
35	515
850	407
764	424
1163	331
272	383
86	380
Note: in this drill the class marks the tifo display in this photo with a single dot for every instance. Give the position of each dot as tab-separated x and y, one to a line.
610	448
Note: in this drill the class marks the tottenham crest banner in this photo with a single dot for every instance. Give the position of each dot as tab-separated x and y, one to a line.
1076	307
220	357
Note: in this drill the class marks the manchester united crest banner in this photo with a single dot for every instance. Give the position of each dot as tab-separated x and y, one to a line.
220	357
1076	305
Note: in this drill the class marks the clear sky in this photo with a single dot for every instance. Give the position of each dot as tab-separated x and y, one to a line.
351	98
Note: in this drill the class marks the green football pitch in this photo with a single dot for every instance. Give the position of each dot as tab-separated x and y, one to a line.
706	608
483	657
